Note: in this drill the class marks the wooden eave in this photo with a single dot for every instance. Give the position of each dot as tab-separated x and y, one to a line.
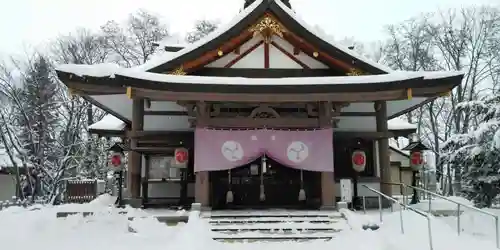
87	86
419	86
174	91
296	34
107	132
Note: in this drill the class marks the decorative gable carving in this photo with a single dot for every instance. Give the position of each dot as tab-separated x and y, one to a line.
178	71
267	26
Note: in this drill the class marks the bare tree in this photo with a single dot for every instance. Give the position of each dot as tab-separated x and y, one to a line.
201	29
464	40
132	43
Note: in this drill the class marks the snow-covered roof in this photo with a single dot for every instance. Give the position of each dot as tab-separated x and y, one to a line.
110	123
152	63
400	124
397	144
186	79
327	38
110	70
95	70
173	40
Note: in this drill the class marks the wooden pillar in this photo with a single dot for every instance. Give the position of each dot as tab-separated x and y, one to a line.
135	159
145	179
202	181
383	147
202	187
327	178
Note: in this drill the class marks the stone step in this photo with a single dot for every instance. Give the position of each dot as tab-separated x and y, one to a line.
276	231
281	225
271	238
263	226
270	220
242	216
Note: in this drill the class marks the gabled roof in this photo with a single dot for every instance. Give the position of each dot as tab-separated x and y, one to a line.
250	16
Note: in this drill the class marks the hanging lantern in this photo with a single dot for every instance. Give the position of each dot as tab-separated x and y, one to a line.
181	157
416	160
359	160
116	161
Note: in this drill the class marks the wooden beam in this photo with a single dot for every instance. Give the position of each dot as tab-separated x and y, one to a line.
268	73
159	95
262	123
213	55
248	51
165	113
311	51
363	134
152	150
295	59
94	89
266	54
351	114
325	114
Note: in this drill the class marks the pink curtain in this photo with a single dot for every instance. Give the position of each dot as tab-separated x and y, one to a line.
227	149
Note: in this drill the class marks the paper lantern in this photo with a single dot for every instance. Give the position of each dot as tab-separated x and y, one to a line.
358	160
116	160
181	156
416	160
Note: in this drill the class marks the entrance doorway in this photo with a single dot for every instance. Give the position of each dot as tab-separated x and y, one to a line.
281	187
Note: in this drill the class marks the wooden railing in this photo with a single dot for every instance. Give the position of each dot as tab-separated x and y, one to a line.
80	191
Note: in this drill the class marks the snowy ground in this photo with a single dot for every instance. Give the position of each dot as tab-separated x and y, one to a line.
38	228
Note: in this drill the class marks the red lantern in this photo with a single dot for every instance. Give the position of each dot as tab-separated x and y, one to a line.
181	156
416	160
359	160
116	160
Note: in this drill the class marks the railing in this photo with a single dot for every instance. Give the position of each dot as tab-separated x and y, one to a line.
380	195
459	205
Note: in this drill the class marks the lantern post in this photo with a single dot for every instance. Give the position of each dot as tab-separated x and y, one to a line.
358	160
416	149
116	164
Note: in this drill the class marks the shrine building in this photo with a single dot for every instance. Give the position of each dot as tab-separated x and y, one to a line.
264	112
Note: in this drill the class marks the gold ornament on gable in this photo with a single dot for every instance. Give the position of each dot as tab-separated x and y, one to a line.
268	26
355	72
178	71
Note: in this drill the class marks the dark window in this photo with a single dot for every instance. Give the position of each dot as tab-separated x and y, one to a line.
343	148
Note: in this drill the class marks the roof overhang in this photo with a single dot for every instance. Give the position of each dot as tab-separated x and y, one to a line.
163	87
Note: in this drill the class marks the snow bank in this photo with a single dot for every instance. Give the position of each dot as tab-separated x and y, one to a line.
442	205
416	236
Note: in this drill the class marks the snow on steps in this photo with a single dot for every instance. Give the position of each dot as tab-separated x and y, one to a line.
271	226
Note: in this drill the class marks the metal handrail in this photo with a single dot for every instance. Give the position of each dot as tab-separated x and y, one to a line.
459	204
380	195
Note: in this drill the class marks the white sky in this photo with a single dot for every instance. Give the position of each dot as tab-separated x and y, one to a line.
26	24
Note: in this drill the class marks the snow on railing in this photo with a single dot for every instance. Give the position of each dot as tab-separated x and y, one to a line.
380	195
459	205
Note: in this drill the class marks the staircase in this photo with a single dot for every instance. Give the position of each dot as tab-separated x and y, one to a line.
232	226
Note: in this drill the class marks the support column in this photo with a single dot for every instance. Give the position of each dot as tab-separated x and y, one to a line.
327	178
202	187
383	147
202	184
135	159
327	190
